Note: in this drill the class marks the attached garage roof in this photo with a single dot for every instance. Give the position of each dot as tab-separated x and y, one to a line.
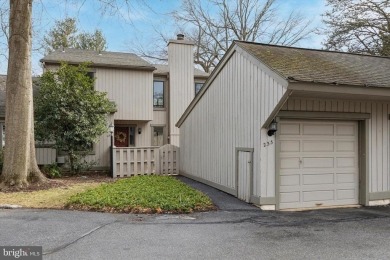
320	66
98	59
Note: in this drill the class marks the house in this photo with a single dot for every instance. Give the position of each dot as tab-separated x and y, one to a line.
288	128
149	98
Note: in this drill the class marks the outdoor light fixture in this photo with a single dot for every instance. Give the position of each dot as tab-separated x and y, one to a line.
111	128
272	128
139	130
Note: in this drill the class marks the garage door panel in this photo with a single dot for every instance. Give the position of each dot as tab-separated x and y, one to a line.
345	130
318	162
289	163
318	146
290	180
318	129
288	197
348	177
318	195
290	146
346	194
346	146
290	129
345	162
318	165
310	179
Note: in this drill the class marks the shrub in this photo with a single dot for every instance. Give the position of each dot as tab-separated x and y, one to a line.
52	171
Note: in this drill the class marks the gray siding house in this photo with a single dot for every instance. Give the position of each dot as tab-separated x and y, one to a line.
288	128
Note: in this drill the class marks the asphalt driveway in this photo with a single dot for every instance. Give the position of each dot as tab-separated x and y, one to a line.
236	231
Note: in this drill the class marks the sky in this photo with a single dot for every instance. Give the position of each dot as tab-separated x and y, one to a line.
138	24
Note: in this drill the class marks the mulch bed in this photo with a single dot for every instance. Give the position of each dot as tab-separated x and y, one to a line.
65	181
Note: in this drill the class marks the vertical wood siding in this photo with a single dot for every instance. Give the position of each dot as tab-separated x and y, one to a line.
181	84
229	115
159	118
131	90
379	157
45	155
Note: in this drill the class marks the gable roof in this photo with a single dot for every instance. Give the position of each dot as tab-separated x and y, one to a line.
163	69
98	59
319	66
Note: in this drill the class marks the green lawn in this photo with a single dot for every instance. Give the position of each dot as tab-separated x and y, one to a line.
142	194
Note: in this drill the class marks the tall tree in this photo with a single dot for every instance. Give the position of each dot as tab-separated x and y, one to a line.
91	41
20	164
359	26
214	24
65	34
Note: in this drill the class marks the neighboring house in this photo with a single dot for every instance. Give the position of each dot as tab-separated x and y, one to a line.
149	98
286	127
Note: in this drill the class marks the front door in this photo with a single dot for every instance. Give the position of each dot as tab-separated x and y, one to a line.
121	136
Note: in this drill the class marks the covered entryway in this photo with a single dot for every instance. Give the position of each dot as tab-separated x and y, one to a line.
318	163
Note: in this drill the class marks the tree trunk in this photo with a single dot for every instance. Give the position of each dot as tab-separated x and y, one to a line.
19	153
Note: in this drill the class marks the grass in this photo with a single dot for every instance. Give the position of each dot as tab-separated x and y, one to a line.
54	198
142	194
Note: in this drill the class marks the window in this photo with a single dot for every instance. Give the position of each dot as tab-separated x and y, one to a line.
132	136
158	136
158	94
198	87
90	74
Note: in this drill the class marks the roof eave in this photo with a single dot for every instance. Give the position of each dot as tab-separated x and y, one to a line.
101	65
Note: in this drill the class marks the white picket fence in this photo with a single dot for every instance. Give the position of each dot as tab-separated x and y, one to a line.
129	161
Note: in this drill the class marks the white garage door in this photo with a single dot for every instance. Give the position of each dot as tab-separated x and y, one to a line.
318	163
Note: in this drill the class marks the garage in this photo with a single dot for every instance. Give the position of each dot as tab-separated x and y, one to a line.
318	163
292	128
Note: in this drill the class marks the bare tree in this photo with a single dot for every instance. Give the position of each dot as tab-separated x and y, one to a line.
214	26
359	26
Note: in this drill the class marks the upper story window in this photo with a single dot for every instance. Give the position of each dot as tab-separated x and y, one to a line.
158	94
198	87
91	75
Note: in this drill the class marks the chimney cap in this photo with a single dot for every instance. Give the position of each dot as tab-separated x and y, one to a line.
180	36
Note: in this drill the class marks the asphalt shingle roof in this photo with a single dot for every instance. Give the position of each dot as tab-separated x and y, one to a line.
307	65
101	59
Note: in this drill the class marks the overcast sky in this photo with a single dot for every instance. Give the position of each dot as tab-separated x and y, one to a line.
141	24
